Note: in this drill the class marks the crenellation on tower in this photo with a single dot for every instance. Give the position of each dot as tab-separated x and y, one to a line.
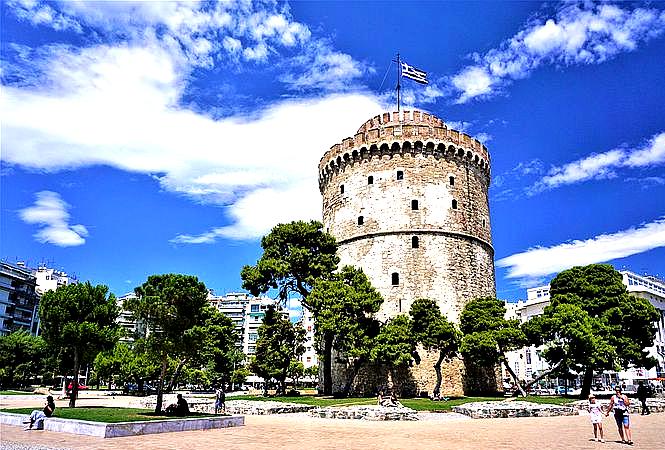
410	158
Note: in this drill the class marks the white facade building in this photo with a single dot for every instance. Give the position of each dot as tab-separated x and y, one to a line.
309	357
51	279
526	361
247	313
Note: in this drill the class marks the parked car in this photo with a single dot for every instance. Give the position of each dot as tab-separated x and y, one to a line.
133	389
562	390
81	387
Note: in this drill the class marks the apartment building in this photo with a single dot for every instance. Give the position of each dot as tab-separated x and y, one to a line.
19	301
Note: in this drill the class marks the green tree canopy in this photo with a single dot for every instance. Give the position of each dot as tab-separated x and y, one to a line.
22	358
434	332
594	324
344	306
175	309
488	335
279	343
395	344
79	319
295	255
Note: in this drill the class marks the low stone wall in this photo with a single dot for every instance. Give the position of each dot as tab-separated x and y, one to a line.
111	430
365	413
261	408
656	405
495	410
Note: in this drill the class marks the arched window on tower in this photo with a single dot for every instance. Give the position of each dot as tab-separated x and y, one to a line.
395	279
452	181
400	174
414	205
370	179
415	242
341	188
361	220
454	204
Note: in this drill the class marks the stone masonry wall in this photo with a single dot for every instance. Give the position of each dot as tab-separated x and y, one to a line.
409	177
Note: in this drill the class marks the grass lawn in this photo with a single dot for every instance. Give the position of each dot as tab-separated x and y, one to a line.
102	414
16	393
419	404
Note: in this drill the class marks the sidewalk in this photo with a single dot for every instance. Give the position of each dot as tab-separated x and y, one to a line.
300	432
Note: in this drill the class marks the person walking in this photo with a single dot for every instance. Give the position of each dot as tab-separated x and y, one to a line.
619	403
642	395
596	415
220	399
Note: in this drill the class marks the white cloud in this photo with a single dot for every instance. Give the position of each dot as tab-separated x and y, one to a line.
595	166
603	165
117	106
579	34
203	32
51	213
541	261
39	13
651	154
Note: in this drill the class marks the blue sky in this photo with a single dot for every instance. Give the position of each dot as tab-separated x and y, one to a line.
153	137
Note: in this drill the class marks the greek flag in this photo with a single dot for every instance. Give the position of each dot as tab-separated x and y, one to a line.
417	75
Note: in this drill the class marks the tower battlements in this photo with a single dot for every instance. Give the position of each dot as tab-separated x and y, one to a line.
413	132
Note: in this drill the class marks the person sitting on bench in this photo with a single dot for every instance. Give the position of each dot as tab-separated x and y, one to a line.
37	416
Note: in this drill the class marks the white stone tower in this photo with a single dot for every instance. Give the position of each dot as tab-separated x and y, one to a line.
407	200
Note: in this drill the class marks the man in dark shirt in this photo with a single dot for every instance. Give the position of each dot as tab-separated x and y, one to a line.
182	408
642	394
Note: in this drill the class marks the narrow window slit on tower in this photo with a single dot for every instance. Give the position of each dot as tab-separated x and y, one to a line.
414	205
454	204
400	175
395	277
370	179
361	220
415	242
452	181
341	189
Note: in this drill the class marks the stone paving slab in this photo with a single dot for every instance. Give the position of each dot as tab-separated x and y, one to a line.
297	431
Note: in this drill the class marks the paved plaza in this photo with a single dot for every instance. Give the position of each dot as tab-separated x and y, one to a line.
437	431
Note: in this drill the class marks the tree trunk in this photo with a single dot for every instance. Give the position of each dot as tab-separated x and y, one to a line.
160	385
586	383
75	382
327	364
542	375
439	377
176	374
512	374
357	364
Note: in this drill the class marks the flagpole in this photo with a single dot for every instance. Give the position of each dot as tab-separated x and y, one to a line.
399	86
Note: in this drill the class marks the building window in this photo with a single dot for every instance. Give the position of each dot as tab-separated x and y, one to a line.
528	356
309	359
361	220
400	175
415	242
414	205
454	204
483	223
341	189
253	337
452	181
395	279
255	308
370	179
